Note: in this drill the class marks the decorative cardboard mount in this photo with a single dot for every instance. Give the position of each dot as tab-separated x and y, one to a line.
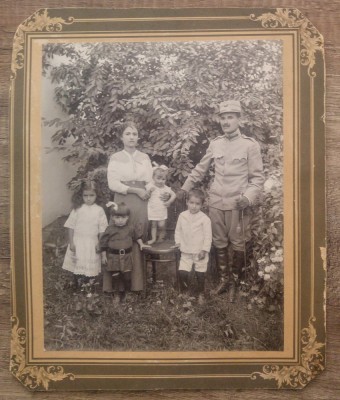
302	358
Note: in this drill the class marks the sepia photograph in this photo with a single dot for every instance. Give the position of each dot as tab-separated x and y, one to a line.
162	195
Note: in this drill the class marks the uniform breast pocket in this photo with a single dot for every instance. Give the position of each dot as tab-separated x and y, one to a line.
239	158
219	160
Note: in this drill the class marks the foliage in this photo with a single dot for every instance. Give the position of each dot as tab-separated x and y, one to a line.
171	90
267	237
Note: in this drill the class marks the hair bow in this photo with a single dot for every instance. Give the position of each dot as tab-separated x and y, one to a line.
112	204
163	167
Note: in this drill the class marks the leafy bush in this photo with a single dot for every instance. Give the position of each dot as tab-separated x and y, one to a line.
267	237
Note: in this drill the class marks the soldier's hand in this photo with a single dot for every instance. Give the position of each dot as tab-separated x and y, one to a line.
242	202
165	196
181	195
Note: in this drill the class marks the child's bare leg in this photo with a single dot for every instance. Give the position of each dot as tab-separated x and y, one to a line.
161	229
153	232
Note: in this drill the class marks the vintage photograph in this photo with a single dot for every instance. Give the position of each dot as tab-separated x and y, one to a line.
162	195
168	216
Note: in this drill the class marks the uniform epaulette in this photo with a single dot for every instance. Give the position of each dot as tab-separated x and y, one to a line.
250	138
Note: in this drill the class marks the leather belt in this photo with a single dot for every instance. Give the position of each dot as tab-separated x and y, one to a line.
133	183
121	252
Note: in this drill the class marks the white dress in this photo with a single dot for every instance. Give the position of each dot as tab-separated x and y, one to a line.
87	222
157	211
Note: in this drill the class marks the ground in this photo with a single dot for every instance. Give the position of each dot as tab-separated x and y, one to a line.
86	319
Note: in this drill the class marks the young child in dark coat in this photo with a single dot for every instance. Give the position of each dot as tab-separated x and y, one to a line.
117	241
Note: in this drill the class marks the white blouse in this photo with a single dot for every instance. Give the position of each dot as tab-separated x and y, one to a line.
124	166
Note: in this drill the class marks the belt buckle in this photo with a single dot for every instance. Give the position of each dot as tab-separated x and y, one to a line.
121	252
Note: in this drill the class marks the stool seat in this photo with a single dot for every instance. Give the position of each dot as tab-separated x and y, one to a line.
153	254
165	247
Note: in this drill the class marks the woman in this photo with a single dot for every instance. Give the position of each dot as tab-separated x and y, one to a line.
128	172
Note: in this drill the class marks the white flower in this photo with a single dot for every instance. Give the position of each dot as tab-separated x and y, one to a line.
267	269
266	277
279	252
273	268
260	274
89	295
269	184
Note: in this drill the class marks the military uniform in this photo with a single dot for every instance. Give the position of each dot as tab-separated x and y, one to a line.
238	172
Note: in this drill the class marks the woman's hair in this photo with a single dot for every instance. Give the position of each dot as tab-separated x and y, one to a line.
127	124
77	198
120	209
198	193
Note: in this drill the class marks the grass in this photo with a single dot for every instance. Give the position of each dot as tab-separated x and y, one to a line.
86	319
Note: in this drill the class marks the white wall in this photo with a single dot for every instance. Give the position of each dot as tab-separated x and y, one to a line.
56	198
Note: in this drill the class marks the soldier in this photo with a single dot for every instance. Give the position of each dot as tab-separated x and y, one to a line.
237	184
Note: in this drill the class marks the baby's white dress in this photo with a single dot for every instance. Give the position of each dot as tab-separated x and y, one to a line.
157	211
87	222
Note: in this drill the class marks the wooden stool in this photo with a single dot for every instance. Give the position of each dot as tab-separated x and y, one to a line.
154	255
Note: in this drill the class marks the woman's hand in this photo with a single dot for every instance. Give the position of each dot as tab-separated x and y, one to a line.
140	192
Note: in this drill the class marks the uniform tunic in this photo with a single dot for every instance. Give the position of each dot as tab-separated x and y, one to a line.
238	170
131	170
87	222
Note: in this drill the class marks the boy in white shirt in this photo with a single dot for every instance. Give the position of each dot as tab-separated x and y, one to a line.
193	236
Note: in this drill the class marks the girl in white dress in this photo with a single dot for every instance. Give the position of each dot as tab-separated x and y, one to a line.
86	224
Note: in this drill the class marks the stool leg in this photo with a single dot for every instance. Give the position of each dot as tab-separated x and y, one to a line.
153	271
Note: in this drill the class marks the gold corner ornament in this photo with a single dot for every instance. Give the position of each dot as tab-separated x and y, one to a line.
298	376
38	22
32	376
311	39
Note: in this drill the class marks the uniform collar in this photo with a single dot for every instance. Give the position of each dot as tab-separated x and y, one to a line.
233	136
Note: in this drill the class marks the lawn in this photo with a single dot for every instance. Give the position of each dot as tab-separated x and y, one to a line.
86	319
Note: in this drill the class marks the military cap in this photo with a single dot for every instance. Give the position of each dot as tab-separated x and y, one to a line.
233	106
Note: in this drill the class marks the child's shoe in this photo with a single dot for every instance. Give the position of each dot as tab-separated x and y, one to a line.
125	297
201	299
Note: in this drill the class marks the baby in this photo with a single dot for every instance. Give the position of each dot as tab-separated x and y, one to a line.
157	208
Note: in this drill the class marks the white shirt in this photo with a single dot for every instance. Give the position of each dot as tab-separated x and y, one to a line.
193	232
124	166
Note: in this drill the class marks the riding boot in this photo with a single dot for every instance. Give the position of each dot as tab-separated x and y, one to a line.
222	264
183	281
200	286
236	271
